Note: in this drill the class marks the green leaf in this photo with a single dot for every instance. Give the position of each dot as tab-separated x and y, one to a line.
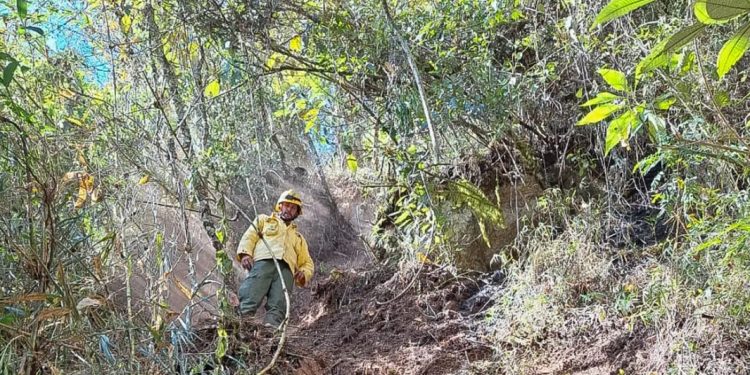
602	97
296	43
35	29
721	98
193	49
7	319
8	72
405	215
658	55
647	163
618	131
223	344
656	127
733	50
618	8
23	8
223	261
212	90
615	78
653	60
412	149
683	36
665	103
599	113
310	116
220	235
719	11
718	240
351	162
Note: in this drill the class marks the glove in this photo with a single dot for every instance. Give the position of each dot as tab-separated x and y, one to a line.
247	262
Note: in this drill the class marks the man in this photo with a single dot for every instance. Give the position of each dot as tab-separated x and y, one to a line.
267	238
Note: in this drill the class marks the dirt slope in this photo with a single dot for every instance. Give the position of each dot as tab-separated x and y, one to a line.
360	322
357	317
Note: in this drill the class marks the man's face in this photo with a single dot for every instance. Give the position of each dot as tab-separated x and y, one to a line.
288	211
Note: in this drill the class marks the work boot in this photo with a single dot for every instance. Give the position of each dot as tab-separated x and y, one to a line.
249	322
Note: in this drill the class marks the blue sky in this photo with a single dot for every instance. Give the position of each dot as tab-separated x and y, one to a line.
64	32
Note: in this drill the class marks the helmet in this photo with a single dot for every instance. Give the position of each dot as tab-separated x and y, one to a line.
289	196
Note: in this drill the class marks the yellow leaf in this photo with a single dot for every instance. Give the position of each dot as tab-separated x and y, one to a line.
144	180
81	158
194	48
335	274
67	94
351	162
184	289
599	113
69	176
88	182
74	121
310	114
602	97
169	52
296	43
212	90
85	185
615	78
630	288
274	60
423	258
81	200
125	22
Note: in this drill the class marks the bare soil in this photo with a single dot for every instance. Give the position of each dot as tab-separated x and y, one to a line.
366	322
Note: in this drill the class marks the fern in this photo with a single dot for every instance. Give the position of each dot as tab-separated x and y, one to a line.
463	192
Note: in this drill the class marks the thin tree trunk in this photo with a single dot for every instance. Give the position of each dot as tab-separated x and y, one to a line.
417	80
171	78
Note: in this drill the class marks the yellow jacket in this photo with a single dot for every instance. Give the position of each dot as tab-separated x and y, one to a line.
284	242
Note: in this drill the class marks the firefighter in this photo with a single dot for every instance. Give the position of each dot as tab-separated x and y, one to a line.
273	236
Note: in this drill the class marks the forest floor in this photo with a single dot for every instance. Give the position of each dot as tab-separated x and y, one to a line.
365	320
359	317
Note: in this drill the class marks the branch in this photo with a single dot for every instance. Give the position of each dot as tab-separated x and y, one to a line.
711	96
236	215
287	298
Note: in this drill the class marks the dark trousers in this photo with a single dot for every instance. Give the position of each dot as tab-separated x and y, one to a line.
264	281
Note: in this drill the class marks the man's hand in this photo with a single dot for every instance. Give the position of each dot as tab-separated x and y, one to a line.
299	278
247	262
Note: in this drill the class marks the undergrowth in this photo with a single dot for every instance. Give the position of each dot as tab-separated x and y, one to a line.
677	307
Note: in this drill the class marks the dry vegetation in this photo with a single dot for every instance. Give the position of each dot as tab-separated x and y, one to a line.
490	186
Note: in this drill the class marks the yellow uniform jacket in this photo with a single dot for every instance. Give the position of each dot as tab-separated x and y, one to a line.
281	242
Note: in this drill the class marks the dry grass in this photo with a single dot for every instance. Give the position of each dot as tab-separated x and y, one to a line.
576	305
